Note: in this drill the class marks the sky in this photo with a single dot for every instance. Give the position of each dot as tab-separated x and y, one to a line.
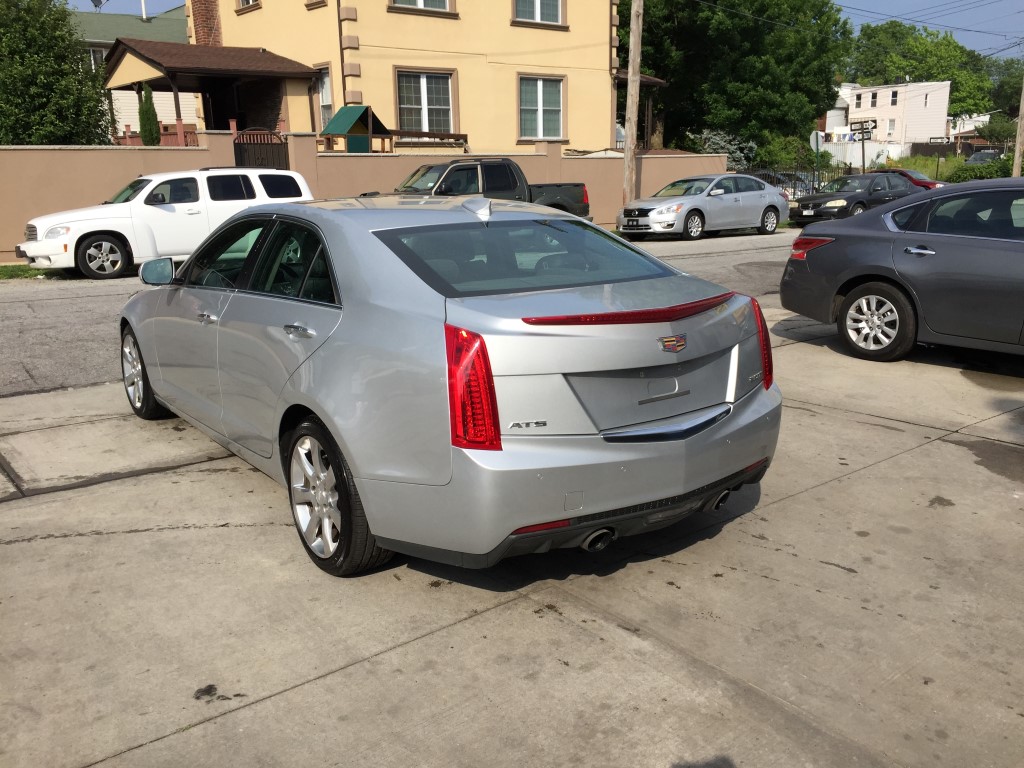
986	26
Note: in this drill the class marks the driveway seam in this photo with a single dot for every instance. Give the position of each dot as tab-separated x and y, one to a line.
96	420
298	685
8	471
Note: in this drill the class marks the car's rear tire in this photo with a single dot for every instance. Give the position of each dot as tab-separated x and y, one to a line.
136	379
102	257
877	322
857	209
693	226
326	507
769	221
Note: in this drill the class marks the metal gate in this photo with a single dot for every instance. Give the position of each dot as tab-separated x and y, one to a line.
260	148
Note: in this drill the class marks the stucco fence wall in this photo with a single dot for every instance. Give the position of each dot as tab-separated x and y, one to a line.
41	180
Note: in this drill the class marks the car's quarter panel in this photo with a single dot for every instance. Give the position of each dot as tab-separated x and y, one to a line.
184	328
259	348
538	479
970	287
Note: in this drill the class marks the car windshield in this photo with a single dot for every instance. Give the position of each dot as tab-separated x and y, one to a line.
917	175
847	184
422	179
478	258
685	187
130	192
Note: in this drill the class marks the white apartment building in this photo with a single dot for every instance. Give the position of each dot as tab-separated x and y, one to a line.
905	112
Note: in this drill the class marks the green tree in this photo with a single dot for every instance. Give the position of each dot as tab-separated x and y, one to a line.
49	93
895	52
149	126
1007	76
999	130
752	69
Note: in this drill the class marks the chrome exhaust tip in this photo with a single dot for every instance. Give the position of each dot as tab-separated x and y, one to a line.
719	502
598	540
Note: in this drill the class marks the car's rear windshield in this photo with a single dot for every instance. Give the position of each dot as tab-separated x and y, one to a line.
685	187
130	192
478	259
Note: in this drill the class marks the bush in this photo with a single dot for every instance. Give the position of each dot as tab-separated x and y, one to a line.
149	126
997	169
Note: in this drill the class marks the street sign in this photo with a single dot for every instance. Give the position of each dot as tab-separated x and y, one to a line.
939	140
817	139
861	136
864	125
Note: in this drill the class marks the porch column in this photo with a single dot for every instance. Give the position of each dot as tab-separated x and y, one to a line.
177	113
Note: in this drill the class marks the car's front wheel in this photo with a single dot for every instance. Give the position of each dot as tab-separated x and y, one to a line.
877	322
136	379
326	507
769	221
857	210
102	257
693	226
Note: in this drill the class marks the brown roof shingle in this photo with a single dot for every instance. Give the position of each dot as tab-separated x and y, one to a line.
211	60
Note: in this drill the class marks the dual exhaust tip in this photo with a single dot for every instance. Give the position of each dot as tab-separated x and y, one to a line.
602	537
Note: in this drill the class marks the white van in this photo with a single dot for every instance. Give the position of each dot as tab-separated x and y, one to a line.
155	216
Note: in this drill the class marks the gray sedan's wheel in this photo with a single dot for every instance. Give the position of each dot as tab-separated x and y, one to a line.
877	322
136	380
102	257
326	507
693	226
769	221
857	210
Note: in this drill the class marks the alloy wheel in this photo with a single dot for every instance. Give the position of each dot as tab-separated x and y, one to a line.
872	323
104	257
131	369
315	497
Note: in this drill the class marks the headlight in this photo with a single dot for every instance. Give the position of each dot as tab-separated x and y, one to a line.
54	232
835	204
940	184
669	209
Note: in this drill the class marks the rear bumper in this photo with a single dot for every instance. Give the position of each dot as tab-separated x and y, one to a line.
592	483
805	293
46	254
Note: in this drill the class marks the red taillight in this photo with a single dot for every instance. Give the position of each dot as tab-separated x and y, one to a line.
542	527
586	195
471	399
767	368
804	244
661	315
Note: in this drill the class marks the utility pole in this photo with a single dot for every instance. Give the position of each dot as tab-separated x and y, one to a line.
1019	148
636	24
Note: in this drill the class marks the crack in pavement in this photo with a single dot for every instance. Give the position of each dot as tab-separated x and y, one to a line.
152	529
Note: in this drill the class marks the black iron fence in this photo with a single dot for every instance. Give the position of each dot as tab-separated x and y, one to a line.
799	180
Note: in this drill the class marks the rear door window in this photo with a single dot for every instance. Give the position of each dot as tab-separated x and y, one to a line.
294	264
476	259
230	187
497	177
998	215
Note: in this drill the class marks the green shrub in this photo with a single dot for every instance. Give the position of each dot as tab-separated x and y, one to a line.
997	169
149	126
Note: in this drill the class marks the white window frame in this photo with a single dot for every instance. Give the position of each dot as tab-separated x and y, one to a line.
418	4
541	107
894	98
95	62
891	127
536	13
324	87
857	100
424	106
247	3
874	99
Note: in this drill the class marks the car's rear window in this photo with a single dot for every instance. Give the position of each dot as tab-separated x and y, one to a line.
480	258
278	185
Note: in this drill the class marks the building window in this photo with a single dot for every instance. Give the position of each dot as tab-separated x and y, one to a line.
892	126
96	58
326	100
894	99
540	108
247	3
547	11
430	5
856	101
874	98
424	102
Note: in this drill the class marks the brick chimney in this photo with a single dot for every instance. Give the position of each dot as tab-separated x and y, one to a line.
205	16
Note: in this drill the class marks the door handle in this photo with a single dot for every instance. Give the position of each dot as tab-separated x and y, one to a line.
299	330
206	318
920	250
192	211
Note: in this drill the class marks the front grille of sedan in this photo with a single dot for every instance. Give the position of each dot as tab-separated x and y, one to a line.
810	206
634	213
31	233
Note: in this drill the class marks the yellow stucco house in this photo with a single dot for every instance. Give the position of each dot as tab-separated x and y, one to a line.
493	74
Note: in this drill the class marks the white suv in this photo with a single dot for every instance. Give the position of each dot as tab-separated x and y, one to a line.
155	216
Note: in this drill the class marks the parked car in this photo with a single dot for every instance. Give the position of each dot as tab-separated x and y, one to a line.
850	196
697	205
503	378
790	183
497	178
983	156
942	267
160	214
916	178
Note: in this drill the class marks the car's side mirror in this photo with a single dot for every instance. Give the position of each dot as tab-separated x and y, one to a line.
157	272
156	198
716	192
444	188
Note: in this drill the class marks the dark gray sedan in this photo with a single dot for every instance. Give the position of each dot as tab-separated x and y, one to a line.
942	267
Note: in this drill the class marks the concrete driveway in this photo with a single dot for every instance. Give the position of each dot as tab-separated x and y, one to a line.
860	608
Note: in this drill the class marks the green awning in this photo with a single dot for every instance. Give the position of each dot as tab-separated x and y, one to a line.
355	120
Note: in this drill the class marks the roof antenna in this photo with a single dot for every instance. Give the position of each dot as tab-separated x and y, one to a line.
481	206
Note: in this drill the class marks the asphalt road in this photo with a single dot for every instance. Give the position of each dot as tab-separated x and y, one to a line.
61	332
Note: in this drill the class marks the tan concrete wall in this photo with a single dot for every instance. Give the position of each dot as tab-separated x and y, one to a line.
59	178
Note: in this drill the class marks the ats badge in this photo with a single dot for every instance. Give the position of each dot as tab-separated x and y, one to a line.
673	343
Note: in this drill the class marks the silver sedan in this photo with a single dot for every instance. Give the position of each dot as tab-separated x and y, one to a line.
456	379
702	205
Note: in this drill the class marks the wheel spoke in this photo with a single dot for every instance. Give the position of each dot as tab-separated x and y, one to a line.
301	457
301	495
310	531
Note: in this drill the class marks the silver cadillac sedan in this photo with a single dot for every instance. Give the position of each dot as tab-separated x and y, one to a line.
705	205
458	379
